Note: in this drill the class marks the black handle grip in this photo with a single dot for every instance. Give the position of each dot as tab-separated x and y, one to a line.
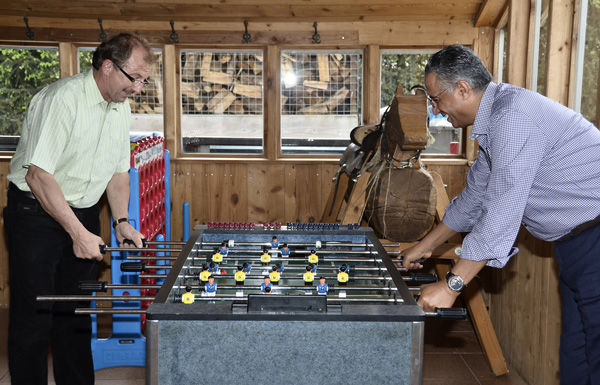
451	313
420	279
93	286
130	242
420	260
133	266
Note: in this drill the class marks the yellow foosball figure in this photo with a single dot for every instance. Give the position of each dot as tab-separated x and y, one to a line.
188	297
313	257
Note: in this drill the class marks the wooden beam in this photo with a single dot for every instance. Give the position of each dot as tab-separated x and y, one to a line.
559	50
490	13
518	30
218	11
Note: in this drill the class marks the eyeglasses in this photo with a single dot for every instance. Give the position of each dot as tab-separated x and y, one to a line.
435	99
131	79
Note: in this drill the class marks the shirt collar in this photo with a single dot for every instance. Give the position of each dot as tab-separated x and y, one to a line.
92	93
481	124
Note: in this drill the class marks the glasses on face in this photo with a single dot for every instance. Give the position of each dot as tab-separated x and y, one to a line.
435	99
131	79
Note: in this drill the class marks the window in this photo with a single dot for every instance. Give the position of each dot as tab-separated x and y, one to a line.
23	72
407	68
147	106
321	100
222	101
591	69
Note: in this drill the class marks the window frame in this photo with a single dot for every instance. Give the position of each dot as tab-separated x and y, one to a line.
31	45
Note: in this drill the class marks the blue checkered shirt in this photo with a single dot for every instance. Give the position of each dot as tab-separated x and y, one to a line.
538	165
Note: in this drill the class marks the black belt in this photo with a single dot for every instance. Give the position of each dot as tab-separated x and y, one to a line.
579	229
24	194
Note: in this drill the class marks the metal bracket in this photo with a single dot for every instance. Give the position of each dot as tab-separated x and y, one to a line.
30	33
174	35
316	38
103	35
246	36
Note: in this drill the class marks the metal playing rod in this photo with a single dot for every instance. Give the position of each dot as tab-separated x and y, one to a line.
302	244
93	298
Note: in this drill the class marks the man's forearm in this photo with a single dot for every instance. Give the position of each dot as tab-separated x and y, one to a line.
117	193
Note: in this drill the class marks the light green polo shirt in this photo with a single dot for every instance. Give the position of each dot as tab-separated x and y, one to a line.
71	132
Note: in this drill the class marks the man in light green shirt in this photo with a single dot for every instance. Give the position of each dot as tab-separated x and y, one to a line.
74	146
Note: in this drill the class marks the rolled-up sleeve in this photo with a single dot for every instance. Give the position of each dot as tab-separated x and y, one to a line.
491	207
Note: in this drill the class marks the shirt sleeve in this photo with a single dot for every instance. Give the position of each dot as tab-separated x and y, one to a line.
50	123
515	152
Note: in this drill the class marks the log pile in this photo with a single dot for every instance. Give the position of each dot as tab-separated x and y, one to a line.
319	83
232	83
221	83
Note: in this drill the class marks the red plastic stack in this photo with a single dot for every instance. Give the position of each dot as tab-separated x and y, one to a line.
147	156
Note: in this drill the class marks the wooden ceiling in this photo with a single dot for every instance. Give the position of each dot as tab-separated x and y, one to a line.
480	12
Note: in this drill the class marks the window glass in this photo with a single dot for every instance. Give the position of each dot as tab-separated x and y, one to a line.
321	100
222	101
23	72
591	69
407	68
147	106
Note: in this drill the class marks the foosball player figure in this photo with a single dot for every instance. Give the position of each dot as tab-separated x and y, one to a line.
246	267
313	257
285	251
275	242
204	274
223	248
265	258
214	268
322	286
217	256
309	276
268	290
343	275
240	276
266	284
188	296
274	275
210	288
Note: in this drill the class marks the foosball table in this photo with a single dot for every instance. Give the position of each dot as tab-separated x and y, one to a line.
295	304
287	328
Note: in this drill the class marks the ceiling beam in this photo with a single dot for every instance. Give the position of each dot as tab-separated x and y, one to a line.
490	13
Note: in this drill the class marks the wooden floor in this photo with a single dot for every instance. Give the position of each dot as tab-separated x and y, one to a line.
452	357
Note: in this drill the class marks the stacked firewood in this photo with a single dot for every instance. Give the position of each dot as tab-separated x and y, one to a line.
319	83
232	83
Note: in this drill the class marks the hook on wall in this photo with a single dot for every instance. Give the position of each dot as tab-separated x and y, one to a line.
103	35
246	37
316	38
174	35
30	34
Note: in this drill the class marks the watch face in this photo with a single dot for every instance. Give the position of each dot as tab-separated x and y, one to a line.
456	283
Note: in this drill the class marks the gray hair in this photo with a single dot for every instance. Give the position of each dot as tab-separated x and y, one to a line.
457	62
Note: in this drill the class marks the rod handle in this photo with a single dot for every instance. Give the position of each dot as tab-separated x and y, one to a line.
135	267
421	279
94	286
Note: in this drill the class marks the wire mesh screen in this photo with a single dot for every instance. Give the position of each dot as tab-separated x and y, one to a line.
321	100
224	87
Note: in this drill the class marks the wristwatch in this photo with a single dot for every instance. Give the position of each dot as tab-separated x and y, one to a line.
455	282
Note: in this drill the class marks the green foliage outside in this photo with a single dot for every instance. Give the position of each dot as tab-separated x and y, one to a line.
406	69
23	72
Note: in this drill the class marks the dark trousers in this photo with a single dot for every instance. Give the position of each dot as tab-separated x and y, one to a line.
42	262
579	262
